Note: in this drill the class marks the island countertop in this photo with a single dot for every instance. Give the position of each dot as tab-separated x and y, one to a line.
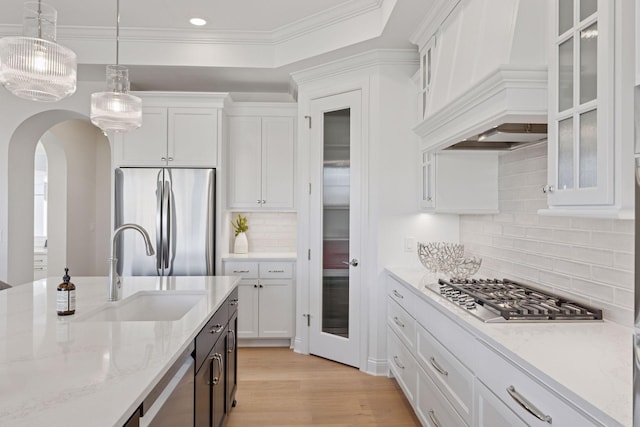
63	371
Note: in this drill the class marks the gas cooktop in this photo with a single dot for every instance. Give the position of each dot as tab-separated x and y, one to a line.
504	300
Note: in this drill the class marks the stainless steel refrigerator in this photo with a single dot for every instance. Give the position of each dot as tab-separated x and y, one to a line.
177	207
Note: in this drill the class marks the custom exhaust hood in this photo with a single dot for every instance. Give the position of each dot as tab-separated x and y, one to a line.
489	76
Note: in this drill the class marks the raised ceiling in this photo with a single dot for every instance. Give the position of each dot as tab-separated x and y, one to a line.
246	46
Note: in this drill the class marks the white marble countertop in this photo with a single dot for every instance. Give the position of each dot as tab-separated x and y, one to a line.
57	371
261	256
590	363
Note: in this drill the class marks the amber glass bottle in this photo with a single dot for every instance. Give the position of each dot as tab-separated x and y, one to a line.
66	296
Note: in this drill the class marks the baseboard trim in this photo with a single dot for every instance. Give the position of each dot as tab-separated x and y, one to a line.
377	367
264	342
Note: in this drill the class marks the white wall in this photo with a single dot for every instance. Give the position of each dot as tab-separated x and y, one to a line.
585	258
23	123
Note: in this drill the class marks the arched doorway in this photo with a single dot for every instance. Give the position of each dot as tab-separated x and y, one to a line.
80	177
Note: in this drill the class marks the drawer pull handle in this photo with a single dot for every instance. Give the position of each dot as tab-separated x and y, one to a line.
398	294
437	367
240	271
527	405
217	328
398	364
233	302
434	420
276	271
398	322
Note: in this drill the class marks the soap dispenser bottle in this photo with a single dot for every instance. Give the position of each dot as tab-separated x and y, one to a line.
66	296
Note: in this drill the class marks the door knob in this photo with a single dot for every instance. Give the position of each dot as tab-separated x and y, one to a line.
353	262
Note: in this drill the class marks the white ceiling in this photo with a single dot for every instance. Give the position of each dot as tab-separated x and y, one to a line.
246	46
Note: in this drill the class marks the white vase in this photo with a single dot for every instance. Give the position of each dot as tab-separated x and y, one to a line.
241	245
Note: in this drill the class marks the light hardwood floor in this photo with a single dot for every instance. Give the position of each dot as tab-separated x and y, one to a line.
277	387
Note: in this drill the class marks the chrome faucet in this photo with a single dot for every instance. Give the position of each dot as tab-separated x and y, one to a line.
114	293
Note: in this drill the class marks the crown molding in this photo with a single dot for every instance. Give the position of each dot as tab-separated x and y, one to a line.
372	58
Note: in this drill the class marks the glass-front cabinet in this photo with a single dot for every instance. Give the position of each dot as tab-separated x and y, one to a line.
581	104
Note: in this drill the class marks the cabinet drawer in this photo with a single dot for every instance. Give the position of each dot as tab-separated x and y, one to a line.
402	365
432	407
248	270
402	323
209	335
451	377
276	270
400	294
452	336
517	390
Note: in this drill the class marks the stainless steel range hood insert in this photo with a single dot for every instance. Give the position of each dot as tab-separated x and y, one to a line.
507	136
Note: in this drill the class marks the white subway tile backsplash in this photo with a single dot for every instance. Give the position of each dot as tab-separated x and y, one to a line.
614	241
588	259
271	231
592	256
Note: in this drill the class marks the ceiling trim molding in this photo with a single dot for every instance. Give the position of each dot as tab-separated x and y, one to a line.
372	58
326	18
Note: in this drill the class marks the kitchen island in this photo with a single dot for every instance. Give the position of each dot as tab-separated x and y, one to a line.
586	366
68	371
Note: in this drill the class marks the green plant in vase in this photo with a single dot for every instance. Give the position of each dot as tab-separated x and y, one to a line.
240	226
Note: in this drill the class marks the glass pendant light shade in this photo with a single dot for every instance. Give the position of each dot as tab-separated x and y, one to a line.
34	66
116	110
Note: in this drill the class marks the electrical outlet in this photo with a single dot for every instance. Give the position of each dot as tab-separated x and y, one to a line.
409	244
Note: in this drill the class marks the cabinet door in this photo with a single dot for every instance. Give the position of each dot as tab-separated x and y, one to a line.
248	309
192	138
278	160
244	163
581	91
492	412
276	308
147	145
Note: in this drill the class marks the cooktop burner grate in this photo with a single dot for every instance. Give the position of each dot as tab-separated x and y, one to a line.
514	301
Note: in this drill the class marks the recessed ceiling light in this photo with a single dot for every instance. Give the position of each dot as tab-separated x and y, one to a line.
198	22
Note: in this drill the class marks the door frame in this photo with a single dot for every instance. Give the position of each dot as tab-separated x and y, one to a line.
307	94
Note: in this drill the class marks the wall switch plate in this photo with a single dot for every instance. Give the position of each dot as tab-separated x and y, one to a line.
409	244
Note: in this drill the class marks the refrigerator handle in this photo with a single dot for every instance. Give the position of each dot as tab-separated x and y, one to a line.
166	223
169	227
159	198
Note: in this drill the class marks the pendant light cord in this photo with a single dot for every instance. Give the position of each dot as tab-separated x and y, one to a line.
117	31
40	19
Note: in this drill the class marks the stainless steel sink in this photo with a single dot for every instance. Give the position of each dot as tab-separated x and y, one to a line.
146	306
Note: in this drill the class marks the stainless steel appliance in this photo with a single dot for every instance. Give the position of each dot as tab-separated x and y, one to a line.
177	207
504	300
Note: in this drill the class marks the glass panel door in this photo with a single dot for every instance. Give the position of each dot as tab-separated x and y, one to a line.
335	220
335	224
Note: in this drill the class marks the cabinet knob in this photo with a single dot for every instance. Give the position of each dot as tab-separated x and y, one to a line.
258	201
164	159
170	159
547	189
429	199
263	202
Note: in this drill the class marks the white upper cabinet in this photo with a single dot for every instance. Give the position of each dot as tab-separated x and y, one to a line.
590	108
177	130
459	182
261	158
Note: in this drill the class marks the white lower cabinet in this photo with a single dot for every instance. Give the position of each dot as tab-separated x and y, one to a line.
452	377
265	293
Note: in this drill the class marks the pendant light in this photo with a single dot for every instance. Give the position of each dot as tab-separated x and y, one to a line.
34	66
116	110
